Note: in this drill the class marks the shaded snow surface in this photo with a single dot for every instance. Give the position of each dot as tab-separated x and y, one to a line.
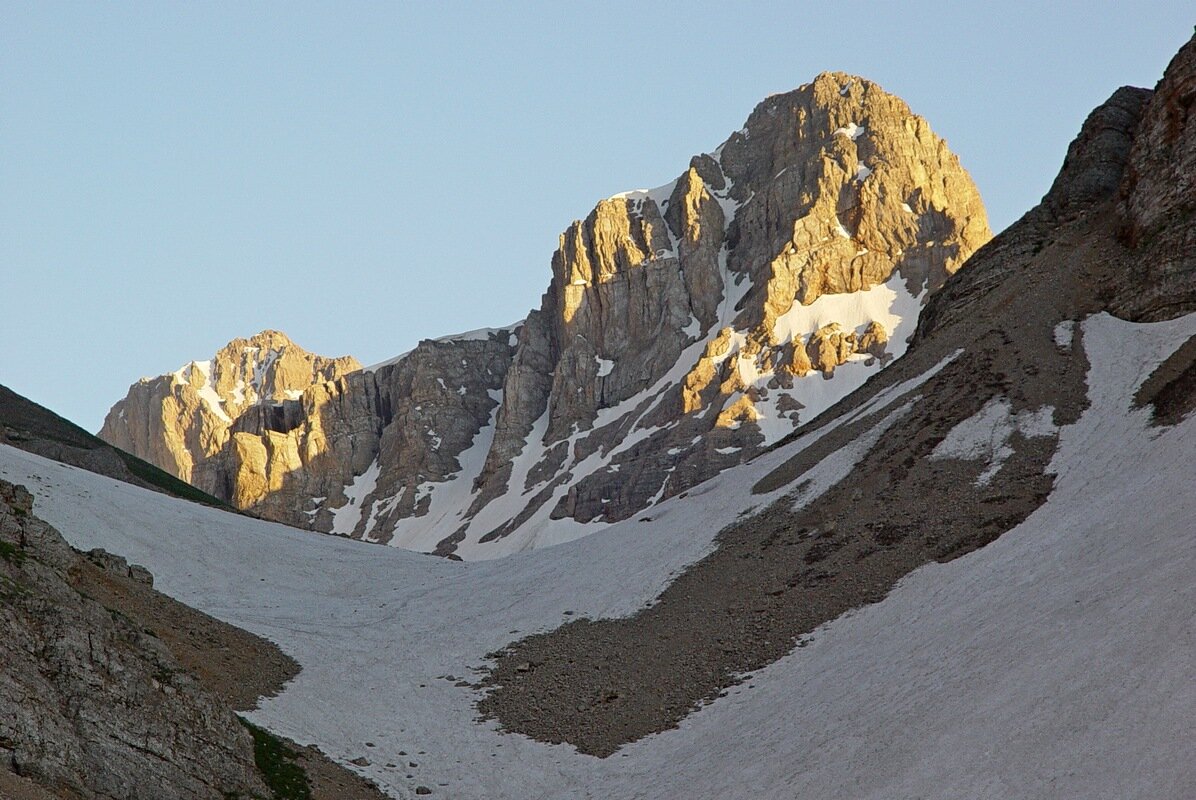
1056	662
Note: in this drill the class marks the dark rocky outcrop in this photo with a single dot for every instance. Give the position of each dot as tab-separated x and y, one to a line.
91	705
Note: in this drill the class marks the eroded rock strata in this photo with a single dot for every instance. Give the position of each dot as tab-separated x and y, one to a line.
92	705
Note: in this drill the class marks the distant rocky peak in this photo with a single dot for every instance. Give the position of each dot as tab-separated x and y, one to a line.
180	418
263	369
829	189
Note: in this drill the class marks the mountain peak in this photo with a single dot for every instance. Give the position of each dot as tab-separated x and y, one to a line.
684	329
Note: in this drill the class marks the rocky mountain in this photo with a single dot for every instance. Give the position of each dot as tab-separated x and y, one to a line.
685	329
181	420
971	576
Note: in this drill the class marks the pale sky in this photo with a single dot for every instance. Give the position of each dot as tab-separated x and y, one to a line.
362	176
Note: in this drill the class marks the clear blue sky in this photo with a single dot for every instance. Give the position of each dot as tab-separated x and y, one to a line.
364	175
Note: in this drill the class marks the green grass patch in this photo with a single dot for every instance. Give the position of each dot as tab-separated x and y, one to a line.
12	554
164	480
276	762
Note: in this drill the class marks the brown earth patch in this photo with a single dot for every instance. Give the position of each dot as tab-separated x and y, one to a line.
773	578
232	663
16	787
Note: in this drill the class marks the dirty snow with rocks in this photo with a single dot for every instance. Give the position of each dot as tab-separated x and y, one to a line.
985	436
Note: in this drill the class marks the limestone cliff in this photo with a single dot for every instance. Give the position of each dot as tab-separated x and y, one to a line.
684	329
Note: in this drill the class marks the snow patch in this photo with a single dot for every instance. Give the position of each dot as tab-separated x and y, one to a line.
985	435
850	130
1064	332
345	518
207	390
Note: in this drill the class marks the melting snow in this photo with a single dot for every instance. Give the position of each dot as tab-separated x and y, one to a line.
850	130
985	436
1064	332
480	334
207	391
345	518
658	195
604	366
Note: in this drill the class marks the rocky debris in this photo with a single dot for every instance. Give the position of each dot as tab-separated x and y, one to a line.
90	704
117	565
673	341
1170	390
777	575
331	781
234	665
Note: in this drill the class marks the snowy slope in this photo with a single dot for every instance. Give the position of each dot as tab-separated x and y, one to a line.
1056	662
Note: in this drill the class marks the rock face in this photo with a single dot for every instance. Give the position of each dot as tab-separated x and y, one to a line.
90	704
176	421
1159	196
684	329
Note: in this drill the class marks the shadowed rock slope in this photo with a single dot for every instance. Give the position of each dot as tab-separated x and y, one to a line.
685	329
36	429
954	458
92	705
109	689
